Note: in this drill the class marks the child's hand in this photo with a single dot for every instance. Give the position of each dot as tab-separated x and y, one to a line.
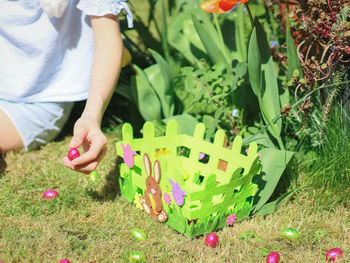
87	133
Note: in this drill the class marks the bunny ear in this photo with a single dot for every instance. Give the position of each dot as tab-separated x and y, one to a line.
157	173
147	163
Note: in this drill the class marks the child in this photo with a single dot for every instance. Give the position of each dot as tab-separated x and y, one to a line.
55	52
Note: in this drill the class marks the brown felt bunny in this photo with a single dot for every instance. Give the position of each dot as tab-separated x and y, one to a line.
152	200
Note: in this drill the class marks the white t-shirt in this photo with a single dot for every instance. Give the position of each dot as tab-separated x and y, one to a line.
48	59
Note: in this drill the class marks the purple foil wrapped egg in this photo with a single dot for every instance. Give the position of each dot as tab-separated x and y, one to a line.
50	194
333	254
73	153
273	257
211	240
64	260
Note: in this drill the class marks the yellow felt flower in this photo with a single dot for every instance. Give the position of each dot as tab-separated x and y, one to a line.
137	201
161	152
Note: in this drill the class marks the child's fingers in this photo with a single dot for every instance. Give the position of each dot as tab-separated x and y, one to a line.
68	163
90	166
79	134
95	150
86	168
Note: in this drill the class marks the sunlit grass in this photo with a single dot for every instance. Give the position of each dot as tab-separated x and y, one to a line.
92	222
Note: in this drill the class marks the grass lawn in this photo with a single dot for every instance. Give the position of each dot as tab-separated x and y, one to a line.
92	222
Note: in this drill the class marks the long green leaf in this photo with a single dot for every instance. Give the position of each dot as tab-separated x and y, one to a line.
263	79
292	56
240	33
271	207
292	53
259	138
164	88
213	50
145	96
274	162
254	64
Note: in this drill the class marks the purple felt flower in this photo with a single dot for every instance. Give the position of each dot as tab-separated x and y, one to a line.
167	198
178	194
231	219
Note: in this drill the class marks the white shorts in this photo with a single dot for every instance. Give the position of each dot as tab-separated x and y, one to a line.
37	123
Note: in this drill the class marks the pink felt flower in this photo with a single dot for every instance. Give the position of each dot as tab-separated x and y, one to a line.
231	219
167	198
128	155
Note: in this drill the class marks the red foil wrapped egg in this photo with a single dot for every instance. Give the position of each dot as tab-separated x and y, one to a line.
273	257
50	194
211	240
73	153
333	254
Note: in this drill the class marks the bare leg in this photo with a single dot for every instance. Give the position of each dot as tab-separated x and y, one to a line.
9	136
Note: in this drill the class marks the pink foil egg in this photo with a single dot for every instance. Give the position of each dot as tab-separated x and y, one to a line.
211	240
73	153
50	194
273	257
333	254
64	260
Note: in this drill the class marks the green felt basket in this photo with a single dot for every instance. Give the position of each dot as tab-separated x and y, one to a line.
201	183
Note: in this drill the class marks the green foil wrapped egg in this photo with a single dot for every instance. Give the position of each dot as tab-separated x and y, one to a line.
290	233
94	177
137	256
138	234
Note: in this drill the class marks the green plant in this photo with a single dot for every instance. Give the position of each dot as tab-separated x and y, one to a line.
329	171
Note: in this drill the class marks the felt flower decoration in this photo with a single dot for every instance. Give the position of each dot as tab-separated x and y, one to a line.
128	155
231	219
137	203
178	193
161	152
167	198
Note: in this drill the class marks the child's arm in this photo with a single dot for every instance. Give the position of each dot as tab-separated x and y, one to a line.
105	71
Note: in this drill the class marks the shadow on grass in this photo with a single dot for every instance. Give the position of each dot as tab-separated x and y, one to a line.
3	165
111	189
